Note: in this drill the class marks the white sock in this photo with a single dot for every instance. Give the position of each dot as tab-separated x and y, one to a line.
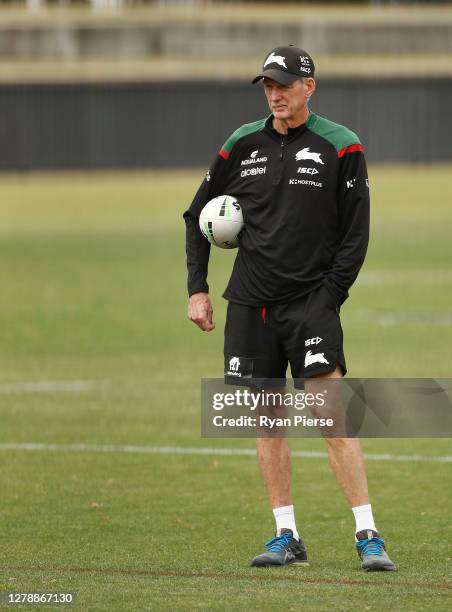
285	519
364	518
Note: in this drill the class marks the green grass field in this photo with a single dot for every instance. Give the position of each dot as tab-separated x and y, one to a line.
93	289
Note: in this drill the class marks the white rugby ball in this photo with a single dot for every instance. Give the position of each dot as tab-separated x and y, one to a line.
221	221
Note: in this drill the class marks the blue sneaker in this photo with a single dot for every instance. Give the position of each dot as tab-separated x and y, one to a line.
372	552
282	550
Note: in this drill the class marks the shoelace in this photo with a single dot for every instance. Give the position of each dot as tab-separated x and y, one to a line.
374	546
279	542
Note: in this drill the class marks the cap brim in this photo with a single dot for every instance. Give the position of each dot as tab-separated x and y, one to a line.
284	78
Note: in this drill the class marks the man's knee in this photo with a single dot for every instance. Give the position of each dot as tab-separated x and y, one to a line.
333	409
271	413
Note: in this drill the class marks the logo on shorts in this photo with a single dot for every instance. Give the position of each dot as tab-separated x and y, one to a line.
312	341
238	367
310	358
234	364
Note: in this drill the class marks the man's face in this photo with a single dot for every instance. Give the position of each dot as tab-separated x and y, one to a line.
286	102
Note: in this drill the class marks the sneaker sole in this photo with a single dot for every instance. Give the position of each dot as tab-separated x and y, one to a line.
276	565
381	568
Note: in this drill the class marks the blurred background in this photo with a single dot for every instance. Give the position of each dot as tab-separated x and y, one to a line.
142	84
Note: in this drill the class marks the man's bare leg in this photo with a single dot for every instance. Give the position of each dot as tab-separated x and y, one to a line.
347	461
274	460
273	456
273	453
345	456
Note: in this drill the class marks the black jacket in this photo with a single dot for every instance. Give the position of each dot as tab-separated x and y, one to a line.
305	202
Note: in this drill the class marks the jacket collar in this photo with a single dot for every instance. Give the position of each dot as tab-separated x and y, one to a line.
291	132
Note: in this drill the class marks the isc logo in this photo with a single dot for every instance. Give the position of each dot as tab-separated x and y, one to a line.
307	171
312	341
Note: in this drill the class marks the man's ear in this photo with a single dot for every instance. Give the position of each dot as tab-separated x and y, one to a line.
310	84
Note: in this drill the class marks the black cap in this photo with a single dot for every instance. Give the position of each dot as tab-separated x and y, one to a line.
286	64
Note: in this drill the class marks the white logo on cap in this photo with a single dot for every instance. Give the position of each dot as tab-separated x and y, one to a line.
275	59
305	64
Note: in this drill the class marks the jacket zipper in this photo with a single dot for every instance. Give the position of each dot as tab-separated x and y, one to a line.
279	167
281	152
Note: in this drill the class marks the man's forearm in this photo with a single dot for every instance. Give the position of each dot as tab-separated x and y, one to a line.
198	252
347	264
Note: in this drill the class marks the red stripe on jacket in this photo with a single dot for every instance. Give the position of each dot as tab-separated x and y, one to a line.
350	149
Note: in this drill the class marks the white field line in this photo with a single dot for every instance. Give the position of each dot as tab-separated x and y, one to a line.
396	276
48	386
392	318
183	450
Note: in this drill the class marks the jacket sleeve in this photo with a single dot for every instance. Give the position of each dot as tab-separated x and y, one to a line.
197	247
354	214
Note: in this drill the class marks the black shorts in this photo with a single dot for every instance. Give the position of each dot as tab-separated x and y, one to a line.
260	342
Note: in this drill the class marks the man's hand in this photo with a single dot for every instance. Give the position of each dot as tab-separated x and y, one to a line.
200	311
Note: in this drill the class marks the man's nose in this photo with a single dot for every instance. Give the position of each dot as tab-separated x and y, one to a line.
276	95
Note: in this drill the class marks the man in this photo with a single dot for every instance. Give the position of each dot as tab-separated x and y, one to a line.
302	183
